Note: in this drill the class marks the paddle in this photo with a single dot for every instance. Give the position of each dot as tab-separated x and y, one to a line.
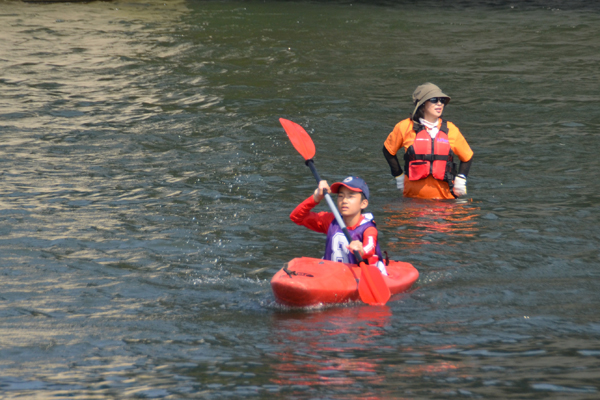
372	289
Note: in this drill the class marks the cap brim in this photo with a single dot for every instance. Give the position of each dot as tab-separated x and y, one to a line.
335	188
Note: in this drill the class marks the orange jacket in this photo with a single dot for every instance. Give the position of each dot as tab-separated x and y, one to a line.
403	136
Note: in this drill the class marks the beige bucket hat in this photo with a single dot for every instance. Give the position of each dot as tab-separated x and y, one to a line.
425	92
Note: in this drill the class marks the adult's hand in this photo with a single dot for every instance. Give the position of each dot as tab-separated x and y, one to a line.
460	185
400	182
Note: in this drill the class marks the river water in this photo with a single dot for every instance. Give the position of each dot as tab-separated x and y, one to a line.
147	183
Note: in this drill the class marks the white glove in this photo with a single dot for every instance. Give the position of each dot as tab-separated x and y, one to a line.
460	185
400	182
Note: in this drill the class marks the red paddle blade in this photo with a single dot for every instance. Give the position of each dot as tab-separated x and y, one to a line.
372	289
299	138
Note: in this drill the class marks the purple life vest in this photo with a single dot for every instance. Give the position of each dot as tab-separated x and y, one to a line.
335	248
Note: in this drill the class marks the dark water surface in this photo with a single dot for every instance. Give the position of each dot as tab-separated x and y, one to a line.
146	188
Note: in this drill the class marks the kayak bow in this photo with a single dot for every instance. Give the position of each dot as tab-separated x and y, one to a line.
305	281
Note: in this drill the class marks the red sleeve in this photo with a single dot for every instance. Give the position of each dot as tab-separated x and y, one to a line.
318	222
369	242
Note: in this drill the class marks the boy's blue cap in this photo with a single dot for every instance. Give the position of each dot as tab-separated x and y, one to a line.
353	183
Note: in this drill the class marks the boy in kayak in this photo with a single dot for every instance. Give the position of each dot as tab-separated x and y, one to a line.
353	198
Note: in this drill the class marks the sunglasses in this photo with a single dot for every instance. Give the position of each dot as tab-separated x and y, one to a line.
435	100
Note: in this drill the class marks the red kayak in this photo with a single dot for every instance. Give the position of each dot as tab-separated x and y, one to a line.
311	281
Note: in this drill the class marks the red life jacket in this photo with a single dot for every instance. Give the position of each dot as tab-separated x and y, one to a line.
427	156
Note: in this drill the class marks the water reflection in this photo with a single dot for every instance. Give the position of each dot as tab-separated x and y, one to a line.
416	222
352	350
326	347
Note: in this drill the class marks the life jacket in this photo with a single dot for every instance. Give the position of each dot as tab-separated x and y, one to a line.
335	248
427	156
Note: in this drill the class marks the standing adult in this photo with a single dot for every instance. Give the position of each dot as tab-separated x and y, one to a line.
430	144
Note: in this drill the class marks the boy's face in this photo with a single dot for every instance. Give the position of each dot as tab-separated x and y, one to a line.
350	203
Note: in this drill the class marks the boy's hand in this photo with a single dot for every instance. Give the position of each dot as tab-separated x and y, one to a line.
320	191
356	245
